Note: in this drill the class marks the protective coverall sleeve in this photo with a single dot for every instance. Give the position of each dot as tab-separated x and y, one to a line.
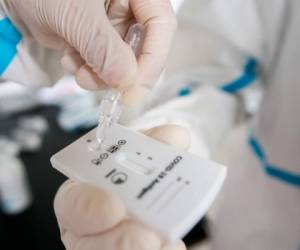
217	72
22	59
208	114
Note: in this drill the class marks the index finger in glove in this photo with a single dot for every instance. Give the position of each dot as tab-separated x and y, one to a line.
160	24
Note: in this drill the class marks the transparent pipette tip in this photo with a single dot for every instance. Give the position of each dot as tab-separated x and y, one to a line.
110	111
135	37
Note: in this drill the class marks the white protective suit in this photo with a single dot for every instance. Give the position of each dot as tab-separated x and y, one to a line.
260	205
240	43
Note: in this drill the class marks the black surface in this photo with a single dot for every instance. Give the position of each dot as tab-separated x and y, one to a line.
36	228
199	233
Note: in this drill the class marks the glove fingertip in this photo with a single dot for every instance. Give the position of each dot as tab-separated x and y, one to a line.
171	134
85	209
133	236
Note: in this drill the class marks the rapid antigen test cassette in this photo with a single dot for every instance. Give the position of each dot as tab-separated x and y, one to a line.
165	188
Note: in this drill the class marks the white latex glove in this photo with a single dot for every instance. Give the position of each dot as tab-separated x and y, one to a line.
90	218
91	34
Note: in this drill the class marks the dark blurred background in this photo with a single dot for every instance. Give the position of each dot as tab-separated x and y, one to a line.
36	227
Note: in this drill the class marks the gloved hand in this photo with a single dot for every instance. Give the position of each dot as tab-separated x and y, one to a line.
90	218
91	33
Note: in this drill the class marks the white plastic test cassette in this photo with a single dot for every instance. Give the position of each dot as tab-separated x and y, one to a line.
165	188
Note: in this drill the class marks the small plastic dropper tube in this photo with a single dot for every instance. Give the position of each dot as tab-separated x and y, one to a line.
111	105
110	111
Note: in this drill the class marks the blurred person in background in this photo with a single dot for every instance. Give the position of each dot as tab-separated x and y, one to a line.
249	41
